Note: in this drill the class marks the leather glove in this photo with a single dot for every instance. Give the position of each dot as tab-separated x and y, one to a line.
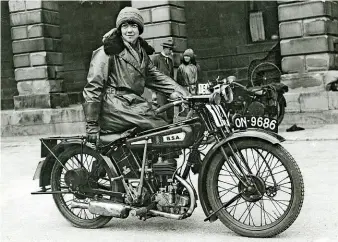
180	92
108	34
92	114
93	133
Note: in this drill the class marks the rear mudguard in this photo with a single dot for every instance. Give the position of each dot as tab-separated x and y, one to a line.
202	179
48	163
281	98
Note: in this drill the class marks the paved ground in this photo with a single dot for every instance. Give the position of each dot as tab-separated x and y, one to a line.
35	218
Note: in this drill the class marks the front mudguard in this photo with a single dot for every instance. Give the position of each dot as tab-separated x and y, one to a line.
202	179
49	161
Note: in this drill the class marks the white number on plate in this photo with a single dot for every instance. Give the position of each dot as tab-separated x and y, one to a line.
263	123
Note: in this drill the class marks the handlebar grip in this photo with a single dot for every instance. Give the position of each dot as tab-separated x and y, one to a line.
239	85
167	106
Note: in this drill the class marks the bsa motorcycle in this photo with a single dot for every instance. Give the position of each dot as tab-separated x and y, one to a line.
266	100
246	179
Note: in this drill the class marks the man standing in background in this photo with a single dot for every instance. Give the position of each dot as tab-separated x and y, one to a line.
165	64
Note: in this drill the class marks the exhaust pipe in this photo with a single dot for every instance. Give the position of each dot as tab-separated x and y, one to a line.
104	208
118	210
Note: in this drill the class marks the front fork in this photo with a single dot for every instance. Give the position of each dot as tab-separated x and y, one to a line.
242	172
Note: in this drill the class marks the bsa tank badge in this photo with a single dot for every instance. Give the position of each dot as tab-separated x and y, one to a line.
174	137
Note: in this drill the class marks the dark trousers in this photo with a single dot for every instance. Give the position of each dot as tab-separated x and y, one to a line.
162	100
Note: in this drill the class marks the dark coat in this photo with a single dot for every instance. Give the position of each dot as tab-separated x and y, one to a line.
117	80
162	65
188	75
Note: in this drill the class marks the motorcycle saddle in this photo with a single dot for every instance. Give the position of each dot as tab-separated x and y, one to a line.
106	139
256	90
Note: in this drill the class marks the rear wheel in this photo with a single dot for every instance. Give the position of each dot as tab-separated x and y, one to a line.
276	200
81	170
264	73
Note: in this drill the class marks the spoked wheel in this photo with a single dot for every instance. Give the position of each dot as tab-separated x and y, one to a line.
274	198
79	173
265	73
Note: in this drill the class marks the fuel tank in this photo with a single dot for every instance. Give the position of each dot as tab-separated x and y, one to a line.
171	137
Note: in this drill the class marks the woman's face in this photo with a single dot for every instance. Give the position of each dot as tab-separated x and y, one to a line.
186	58
130	32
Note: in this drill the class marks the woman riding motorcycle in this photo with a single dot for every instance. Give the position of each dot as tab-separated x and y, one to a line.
119	72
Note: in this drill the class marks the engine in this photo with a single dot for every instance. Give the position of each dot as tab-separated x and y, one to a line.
168	198
171	202
164	170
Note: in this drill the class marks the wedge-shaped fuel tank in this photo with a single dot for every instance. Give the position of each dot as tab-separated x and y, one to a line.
174	137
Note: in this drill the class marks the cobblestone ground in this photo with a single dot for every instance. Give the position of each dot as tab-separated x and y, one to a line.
35	218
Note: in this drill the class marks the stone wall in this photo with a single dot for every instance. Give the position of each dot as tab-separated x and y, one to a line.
81	33
52	43
219	34
37	55
309	46
8	84
164	20
309	33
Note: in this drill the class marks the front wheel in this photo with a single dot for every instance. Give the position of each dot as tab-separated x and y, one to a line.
277	190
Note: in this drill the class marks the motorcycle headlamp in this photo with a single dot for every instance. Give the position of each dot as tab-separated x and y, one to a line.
227	93
215	98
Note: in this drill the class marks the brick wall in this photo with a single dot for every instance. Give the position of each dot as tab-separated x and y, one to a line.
82	27
8	84
221	36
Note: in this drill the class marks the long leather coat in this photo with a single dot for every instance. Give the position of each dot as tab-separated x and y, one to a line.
117	80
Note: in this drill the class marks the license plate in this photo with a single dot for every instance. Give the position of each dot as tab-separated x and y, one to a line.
38	170
242	123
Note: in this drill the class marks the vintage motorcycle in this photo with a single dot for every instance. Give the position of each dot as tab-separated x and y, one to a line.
266	100
246	179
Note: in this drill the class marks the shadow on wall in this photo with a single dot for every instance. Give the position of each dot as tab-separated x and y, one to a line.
8	84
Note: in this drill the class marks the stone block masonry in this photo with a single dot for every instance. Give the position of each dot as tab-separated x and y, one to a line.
164	20
307	9
312	62
307	45
38	60
8	83
43	121
309	39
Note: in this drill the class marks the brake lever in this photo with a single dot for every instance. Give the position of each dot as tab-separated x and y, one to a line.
183	109
173	100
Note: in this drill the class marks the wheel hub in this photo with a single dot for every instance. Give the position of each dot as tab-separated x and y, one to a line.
271	191
76	178
254	191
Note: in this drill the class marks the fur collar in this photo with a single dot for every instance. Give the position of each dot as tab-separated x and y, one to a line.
113	45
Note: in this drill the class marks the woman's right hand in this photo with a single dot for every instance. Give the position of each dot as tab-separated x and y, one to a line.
108	34
180	92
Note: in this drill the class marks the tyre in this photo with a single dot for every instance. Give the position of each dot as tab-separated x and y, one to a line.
95	174
264	73
276	176
281	108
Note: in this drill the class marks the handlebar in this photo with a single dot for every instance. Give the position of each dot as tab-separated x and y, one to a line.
186	99
168	105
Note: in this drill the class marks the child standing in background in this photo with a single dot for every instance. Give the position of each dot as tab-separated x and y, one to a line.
189	72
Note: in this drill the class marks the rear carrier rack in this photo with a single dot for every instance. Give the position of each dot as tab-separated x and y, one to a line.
48	143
